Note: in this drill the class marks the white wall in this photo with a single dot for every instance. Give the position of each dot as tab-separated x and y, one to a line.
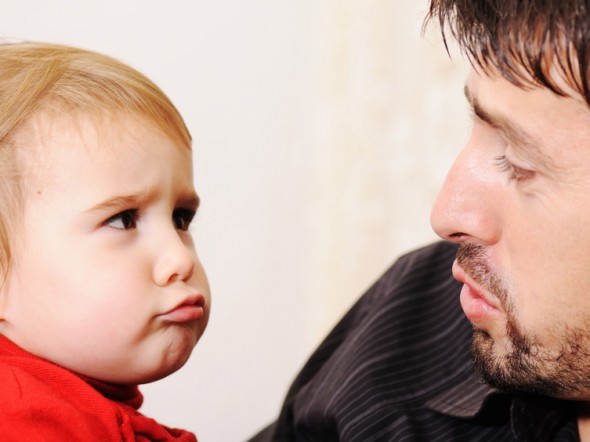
322	129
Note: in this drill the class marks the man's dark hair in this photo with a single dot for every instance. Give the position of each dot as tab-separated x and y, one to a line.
527	41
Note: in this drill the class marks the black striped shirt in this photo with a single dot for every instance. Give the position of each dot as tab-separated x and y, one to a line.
397	368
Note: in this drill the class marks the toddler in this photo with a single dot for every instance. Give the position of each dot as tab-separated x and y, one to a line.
100	285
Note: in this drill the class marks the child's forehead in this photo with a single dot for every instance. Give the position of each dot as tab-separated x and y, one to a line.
51	143
58	148
85	129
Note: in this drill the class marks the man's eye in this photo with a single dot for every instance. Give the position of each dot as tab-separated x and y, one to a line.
124	221
182	218
514	172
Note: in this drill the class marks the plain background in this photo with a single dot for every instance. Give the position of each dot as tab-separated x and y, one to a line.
322	128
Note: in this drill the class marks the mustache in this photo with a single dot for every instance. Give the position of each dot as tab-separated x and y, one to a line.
473	260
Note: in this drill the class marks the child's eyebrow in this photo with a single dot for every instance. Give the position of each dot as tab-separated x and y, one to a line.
189	199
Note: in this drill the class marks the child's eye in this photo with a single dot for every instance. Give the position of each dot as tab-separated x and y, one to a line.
182	218
125	220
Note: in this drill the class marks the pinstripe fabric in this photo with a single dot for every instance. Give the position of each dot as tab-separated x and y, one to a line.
396	368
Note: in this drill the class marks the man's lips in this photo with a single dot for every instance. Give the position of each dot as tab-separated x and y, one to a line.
475	302
190	309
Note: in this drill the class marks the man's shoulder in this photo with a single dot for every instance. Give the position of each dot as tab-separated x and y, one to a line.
416	298
427	268
397	355
408	322
407	332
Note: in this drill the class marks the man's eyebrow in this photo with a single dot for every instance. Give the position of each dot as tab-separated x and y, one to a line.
514	133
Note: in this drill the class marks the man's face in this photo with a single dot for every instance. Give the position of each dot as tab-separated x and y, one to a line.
518	201
105	279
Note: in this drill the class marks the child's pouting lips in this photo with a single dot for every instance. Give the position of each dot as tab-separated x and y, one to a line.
190	309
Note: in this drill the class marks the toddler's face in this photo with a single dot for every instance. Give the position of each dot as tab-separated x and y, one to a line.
105	279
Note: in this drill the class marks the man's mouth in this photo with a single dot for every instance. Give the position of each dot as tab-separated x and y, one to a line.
477	304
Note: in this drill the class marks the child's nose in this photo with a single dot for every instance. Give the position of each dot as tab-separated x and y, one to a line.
175	261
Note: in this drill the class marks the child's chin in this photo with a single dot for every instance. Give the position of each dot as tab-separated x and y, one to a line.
173	361
158	360
147	374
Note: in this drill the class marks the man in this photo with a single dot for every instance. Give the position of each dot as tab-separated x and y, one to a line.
517	203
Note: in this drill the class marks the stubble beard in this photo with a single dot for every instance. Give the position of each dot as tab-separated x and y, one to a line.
525	365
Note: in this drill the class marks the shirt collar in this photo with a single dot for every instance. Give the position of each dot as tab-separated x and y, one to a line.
540	418
531	417
464	398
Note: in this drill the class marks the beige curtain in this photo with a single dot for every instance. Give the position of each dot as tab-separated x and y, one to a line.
386	119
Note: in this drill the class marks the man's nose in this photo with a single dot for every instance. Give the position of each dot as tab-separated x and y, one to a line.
468	207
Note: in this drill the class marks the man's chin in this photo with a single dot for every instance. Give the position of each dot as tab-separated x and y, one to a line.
488	364
515	371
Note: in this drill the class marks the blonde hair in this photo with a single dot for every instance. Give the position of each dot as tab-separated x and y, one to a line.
34	76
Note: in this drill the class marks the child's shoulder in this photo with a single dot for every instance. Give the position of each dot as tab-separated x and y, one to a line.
26	379
41	401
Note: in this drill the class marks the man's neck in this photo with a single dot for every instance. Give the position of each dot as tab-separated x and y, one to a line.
584	421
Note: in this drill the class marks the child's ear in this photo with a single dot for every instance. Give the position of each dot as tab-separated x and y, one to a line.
2	299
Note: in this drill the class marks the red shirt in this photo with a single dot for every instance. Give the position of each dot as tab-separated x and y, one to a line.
43	402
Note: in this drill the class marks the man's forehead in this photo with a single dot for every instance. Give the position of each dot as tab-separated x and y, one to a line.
535	120
492	82
501	119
